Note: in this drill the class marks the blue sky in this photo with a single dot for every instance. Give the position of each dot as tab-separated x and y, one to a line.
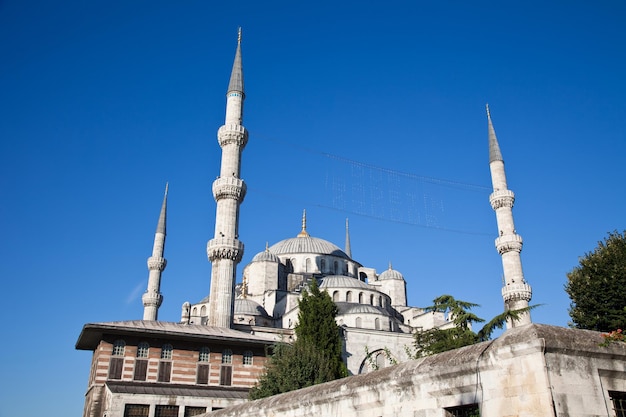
368	110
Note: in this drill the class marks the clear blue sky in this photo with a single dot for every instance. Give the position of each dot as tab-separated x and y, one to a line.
102	102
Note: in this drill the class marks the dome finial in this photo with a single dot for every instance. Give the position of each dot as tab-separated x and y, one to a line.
303	232
267	246
390	267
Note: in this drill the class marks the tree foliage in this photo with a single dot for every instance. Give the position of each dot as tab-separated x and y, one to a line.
314	357
435	340
597	286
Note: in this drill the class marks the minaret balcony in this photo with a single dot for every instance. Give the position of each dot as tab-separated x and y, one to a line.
224	248
232	134
156	263
229	187
508	243
514	292
502	198
152	299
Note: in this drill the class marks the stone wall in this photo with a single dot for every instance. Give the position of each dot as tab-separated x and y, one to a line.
534	370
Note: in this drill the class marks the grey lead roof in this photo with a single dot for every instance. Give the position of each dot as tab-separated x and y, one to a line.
494	148
92	333
146	388
236	76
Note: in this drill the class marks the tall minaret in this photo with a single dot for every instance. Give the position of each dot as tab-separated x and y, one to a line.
516	292
152	298
348	248
225	250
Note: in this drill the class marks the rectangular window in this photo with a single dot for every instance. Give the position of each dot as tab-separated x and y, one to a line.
202	376
166	411
136	410
469	410
226	375
194	411
115	368
165	370
619	403
141	369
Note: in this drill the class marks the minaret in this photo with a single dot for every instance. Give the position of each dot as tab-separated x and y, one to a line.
152	298
225	250
516	292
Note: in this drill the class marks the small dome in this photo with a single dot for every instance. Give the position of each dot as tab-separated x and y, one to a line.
341	281
390	274
246	307
307	244
266	256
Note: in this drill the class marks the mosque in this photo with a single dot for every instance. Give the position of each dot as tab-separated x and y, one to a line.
216	352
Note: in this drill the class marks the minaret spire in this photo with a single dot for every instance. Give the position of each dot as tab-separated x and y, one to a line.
225	249
152	298
348	248
515	292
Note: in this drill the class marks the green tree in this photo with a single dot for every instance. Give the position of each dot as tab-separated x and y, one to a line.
314	357
597	286
432	341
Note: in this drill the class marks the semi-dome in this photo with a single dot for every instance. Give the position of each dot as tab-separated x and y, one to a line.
247	307
341	281
390	274
307	244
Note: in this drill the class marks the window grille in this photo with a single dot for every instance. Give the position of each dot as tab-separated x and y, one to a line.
166	411
118	348
247	357
136	410
142	350
194	411
166	351
204	354
619	403
469	410
227	356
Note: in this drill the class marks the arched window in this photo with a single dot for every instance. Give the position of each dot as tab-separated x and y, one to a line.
377	324
166	351
323	265
335	268
307	265
117	361
360	298
165	365
349	296
204	354
335	296
141	363
203	311
194	311
247	357
371	299
142	350
380	301
118	347
345	268
357	322
293	264
227	356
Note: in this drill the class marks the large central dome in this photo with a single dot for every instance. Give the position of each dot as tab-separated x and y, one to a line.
307	244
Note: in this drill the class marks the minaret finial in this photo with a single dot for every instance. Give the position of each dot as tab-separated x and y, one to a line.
303	232
488	112
239	35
